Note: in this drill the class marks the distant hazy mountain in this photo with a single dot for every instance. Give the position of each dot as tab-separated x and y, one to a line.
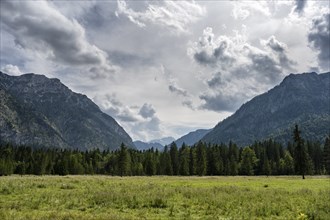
140	145
192	137
163	141
302	99
38	111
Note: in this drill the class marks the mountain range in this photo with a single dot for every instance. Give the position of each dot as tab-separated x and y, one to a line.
38	111
155	143
192	137
43	112
302	99
140	145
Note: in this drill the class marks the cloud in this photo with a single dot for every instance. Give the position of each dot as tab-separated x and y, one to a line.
12	70
224	94
147	111
189	104
220	102
210	51
141	123
175	15
215	81
186	97
300	5
111	105
235	61
242	10
42	29
177	90
281	50
319	39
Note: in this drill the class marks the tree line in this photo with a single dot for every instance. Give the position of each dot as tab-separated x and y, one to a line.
261	158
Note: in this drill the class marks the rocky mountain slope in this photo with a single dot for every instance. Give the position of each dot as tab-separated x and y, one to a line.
192	137
302	99
38	111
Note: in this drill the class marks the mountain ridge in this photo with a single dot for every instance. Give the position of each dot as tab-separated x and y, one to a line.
54	115
299	99
192	137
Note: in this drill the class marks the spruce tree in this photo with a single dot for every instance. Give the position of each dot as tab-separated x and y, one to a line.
184	156
326	155
124	161
300	154
201	162
174	158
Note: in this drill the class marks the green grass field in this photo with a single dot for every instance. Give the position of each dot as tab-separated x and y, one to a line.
103	197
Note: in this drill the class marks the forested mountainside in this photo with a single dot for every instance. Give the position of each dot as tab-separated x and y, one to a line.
302	99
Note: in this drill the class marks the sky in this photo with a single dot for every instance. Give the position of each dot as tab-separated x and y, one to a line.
165	68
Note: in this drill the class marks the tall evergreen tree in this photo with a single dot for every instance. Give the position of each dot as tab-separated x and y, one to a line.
124	161
300	154
326	155
174	158
192	161
184	156
201	162
167	162
266	169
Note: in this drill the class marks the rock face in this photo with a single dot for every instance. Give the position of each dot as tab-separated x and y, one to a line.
42	112
192	137
302	99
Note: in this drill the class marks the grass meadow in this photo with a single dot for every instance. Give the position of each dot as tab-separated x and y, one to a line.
163	197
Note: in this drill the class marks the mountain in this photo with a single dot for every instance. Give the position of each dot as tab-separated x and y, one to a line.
302	99
192	137
163	141
38	111
140	145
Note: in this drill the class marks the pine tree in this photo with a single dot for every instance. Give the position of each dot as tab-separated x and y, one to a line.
166	162
266	169
150	165
184	156
124	161
192	161
300	155
174	158
201	162
326	155
233	166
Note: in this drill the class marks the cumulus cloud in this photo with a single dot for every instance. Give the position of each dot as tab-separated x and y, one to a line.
175	15
219	101
319	39
236	61
300	5
243	9
12	70
111	105
215	81
141	123
280	49
210	51
41	28
147	111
